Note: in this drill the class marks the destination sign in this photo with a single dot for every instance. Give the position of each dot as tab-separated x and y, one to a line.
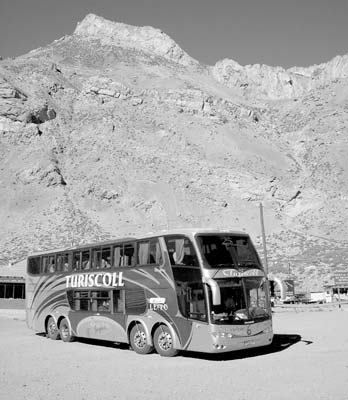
235	273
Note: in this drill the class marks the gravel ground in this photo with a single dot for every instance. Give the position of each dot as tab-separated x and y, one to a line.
307	360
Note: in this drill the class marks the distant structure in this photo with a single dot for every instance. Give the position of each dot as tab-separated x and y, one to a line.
277	283
12	285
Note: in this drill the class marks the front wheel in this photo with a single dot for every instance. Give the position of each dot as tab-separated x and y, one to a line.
65	331
138	340
52	329
163	341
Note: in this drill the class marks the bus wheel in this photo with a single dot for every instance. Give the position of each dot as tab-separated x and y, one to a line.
65	333
163	341
52	329
138	340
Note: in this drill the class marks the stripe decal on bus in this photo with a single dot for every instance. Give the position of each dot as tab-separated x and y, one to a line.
147	275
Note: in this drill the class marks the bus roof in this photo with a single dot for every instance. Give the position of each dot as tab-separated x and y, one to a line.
192	232
177	231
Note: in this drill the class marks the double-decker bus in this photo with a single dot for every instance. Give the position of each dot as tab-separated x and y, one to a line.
194	289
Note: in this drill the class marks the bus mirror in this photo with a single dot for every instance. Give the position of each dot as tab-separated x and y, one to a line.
215	290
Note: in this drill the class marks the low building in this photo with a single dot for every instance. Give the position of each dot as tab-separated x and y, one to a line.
12	285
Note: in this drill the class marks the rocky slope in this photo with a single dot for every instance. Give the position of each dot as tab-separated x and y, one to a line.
116	131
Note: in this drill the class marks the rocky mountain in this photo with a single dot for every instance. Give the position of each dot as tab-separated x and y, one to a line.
116	131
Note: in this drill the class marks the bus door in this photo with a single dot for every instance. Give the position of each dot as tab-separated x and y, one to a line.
188	284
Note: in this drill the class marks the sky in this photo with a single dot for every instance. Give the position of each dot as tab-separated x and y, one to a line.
282	33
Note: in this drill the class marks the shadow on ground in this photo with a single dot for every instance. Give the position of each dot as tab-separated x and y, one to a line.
280	342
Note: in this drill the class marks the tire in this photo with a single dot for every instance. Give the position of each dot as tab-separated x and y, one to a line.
65	331
52	329
138	340
163	341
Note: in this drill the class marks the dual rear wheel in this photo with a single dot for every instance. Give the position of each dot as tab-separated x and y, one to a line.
63	331
162	341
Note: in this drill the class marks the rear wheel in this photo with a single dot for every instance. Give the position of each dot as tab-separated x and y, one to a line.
163	341
138	340
65	331
52	329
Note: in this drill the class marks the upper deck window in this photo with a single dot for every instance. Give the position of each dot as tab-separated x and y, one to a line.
181	251
101	258
34	265
223	250
149	252
123	255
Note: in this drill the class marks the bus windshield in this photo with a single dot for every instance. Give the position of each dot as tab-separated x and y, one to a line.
243	300
228	250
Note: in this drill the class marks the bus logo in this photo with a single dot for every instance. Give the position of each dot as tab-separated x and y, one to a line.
105	280
157	304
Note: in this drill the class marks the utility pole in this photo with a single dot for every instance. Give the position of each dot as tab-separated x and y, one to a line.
263	239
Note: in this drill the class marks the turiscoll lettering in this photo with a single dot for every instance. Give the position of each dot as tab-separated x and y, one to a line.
106	279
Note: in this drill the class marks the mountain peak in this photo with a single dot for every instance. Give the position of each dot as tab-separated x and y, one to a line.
145	38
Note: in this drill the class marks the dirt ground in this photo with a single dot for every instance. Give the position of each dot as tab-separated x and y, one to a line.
307	360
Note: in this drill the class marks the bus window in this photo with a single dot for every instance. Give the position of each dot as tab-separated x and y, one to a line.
128	251
44	265
101	258
76	260
118	301
149	252
78	300
181	251
51	264
191	300
85	300
86	264
135	302
123	255
34	266
106	258
62	262
100	301
96	258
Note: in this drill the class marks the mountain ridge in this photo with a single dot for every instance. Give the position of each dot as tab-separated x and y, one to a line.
116	137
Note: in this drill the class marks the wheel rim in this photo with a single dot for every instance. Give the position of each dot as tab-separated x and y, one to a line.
64	331
140	339
165	341
52	328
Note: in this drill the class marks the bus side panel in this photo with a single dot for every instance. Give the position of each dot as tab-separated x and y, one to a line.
46	296
100	327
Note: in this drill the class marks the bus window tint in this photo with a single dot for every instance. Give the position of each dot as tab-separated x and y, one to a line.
101	258
62	262
118	302
123	255
86	264
34	266
181	251
76	260
135	302
191	300
44	265
100	301
106	258
51	264
85	300
79	300
149	252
